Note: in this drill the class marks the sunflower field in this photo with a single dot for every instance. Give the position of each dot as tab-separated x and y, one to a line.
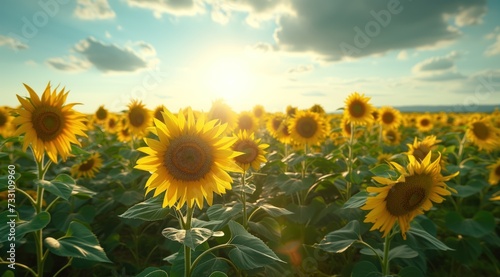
365	191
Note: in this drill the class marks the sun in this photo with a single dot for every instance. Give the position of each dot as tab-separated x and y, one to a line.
228	77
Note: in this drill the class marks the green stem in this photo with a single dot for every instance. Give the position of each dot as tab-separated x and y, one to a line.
64	267
349	163
32	201
52	203
387	247
244	200
198	259
187	250
373	250
38	208
21	265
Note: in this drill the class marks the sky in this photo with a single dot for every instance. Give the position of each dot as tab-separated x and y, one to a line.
183	53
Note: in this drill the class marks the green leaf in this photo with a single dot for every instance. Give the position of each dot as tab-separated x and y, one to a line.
36	223
402	252
61	186
218	274
130	197
365	269
191	238
356	201
427	240
250	252
411	271
338	241
152	272
149	210
267	227
468	249
79	242
471	187
480	225
384	170
222	212
274	211
292	185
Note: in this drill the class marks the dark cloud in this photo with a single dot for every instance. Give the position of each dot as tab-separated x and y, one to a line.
174	7
93	9
437	63
444	76
110	57
12	43
336	30
70	64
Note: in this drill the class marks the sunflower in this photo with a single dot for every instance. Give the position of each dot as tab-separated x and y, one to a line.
189	160
87	168
246	121
278	127
6	128
384	157
418	186
308	128
157	112
48	124
392	136
252	149
223	113
111	124
389	117
483	134
317	108
494	173
420	149
424	123
259	112
290	111
358	110
138	118
101	114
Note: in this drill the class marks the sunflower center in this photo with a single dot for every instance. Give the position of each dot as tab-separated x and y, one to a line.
188	158
86	166
425	122
250	150
480	130
421	152
391	136
158	114
136	117
497	170
405	197
101	113
388	118
357	109
306	127
3	119
48	123
276	123
245	123
112	123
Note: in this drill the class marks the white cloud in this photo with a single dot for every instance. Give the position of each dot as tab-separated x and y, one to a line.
69	64
343	29
403	55
12	43
493	49
94	10
301	69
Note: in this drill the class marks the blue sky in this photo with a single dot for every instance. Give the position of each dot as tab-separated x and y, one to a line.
275	53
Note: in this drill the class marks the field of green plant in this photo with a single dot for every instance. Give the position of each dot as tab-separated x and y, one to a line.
365	191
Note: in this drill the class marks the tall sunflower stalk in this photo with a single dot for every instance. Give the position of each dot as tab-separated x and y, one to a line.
419	185
49	127
189	162
358	112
